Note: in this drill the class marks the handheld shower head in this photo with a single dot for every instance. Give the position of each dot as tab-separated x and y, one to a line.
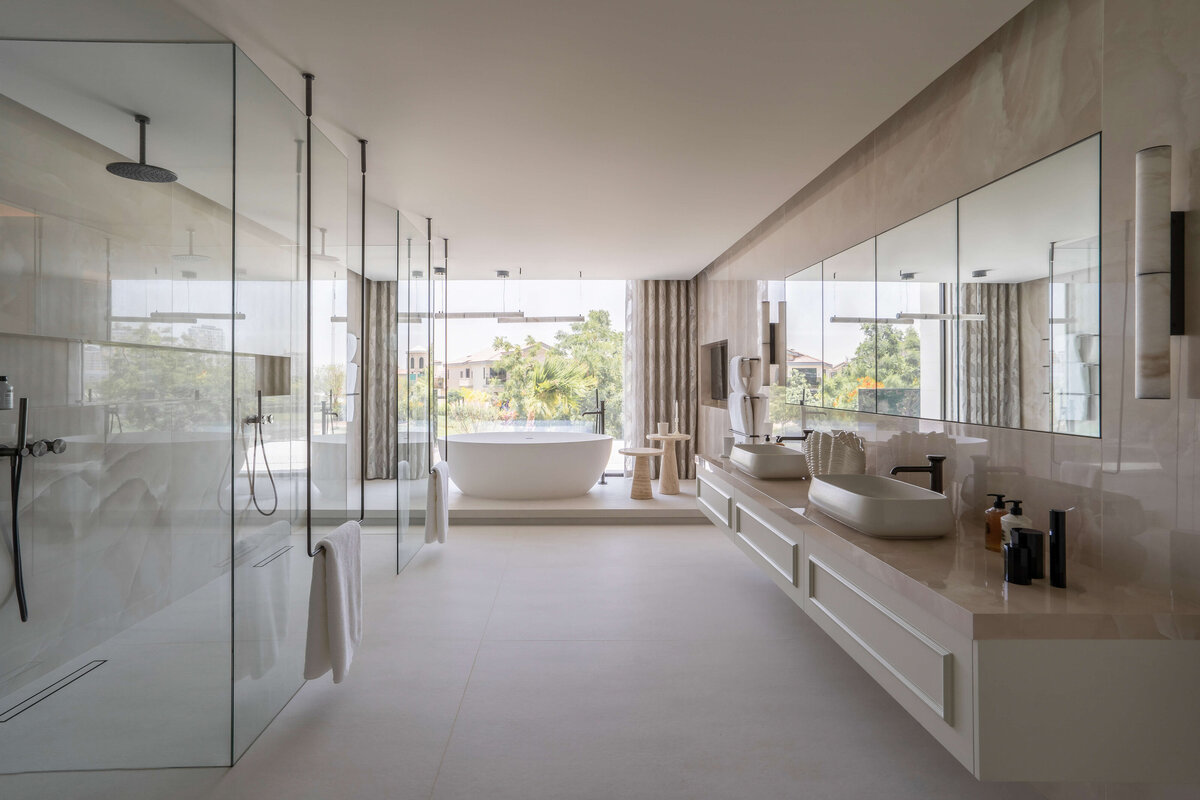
141	171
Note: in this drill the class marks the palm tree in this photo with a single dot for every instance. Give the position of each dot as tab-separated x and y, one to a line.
555	386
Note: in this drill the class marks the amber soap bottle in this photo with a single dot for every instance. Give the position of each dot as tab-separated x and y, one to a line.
991	517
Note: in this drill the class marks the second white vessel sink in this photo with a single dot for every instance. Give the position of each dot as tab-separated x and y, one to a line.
883	507
769	461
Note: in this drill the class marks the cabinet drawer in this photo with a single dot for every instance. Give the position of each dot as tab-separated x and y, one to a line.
779	550
920	664
715	500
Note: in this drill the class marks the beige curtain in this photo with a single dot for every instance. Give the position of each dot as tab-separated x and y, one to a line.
990	355
382	364
660	363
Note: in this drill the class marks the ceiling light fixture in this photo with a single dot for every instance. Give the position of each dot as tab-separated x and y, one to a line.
963	317
515	319
870	320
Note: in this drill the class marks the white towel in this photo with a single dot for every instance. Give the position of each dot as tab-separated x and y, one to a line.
437	504
335	604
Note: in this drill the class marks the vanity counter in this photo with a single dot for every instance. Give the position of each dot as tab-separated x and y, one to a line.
959	581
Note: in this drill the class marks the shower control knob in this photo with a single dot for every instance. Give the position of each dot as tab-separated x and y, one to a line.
35	449
57	446
269	418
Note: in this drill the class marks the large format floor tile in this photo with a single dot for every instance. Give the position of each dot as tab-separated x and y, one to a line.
574	662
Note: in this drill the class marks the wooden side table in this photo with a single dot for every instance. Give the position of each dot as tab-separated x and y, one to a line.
641	470
668	478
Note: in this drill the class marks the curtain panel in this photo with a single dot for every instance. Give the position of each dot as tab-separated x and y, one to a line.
382	360
990	355
661	348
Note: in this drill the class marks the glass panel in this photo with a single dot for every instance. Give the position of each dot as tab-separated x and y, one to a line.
536	354
917	267
270	386
378	363
849	328
334	498
1009	231
412	334
125	535
806	365
1075	336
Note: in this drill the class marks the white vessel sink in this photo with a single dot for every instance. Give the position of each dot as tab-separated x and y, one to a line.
769	461
883	507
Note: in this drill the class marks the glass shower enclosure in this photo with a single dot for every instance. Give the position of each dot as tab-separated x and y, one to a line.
172	336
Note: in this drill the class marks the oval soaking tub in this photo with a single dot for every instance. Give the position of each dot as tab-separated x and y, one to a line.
527	465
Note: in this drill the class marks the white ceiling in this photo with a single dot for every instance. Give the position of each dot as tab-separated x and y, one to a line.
629	138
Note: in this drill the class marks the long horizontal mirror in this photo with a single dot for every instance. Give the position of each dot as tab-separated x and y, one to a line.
1018	369
984	310
916	269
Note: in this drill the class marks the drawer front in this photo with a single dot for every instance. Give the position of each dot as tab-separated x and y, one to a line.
717	502
779	551
916	661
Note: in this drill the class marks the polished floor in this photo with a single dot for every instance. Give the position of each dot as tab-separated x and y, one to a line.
574	662
604	502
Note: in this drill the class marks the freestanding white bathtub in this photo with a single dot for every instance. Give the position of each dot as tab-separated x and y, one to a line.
519	465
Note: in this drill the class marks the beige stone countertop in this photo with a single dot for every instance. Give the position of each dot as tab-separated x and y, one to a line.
958	580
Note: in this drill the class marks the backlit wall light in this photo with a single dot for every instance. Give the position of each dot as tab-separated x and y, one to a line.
774	343
1158	273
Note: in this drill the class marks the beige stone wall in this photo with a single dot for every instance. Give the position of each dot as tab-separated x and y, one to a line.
1059	71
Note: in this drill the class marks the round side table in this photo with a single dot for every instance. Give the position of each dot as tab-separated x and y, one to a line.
641	470
668	477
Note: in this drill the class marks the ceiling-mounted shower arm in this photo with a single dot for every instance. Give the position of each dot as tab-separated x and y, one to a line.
141	171
142	120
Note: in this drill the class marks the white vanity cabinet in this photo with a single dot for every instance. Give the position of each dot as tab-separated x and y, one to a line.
921	662
1018	683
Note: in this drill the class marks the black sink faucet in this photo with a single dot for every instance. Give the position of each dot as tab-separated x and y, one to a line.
782	439
934	469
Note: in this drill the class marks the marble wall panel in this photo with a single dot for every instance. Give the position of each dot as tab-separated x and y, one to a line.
1059	71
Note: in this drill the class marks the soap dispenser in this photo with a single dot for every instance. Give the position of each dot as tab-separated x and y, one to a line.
1015	518
991	519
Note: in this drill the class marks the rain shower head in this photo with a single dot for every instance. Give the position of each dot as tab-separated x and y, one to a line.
191	256
141	171
323	256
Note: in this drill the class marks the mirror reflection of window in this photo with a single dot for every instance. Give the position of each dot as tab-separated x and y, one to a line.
806	366
916	265
850	328
1013	343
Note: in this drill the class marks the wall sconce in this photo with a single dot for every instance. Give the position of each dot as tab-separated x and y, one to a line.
774	342
1158	273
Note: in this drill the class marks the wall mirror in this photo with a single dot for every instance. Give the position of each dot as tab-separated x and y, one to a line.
848	283
984	310
806	368
914	292
1017	367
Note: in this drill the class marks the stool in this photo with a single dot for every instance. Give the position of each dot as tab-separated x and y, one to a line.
668	477
641	470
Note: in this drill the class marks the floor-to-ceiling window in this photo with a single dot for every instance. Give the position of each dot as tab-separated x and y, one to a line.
534	355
